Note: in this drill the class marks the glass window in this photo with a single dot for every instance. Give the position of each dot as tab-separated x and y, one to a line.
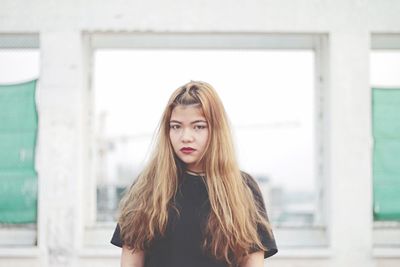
18	192
385	82
19	71
269	97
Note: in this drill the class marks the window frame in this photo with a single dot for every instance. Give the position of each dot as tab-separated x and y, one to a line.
385	233
25	235
96	233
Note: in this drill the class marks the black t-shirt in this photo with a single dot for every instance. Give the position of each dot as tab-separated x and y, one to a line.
181	245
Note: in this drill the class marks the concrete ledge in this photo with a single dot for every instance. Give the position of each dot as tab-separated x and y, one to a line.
312	253
20	252
386	252
100	252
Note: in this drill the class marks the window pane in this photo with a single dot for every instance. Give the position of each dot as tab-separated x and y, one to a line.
18	65
18	129
268	95
386	133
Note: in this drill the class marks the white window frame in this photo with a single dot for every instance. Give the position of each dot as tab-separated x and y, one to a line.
316	236
386	234
21	236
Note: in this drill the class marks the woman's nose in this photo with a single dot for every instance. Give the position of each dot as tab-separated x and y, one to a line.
187	135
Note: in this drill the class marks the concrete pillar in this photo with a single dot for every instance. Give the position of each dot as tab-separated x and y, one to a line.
349	116
60	102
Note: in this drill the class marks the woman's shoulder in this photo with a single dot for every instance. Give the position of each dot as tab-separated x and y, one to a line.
250	181
252	184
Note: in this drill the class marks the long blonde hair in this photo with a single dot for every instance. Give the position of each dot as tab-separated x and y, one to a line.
232	228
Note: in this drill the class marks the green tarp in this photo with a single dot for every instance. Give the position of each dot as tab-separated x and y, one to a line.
18	130
386	153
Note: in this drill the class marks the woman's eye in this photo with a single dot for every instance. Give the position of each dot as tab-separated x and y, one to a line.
174	127
200	127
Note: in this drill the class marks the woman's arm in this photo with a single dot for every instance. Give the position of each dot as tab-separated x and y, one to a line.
129	259
255	259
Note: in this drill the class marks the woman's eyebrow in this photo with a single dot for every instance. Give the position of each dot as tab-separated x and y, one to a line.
193	122
196	121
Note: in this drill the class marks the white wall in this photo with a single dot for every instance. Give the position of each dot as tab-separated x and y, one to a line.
62	100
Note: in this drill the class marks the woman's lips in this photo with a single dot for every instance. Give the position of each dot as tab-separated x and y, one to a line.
187	150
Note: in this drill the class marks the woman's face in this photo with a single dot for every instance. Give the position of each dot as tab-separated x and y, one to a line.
188	134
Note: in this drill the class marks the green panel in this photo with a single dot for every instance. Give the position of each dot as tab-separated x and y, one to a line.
387	156
18	197
18	130
386	153
18	109
386	195
386	116
17	150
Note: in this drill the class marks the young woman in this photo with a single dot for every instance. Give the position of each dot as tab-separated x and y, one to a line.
191	206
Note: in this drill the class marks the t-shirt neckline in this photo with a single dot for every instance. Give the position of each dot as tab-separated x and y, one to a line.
191	173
